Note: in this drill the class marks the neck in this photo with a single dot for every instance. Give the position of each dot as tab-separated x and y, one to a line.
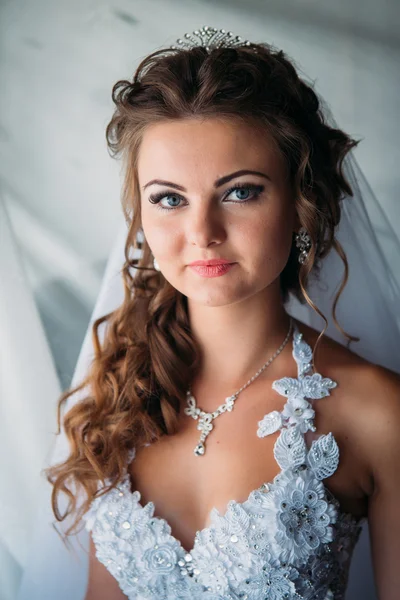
236	340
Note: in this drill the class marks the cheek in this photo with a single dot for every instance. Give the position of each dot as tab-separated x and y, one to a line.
269	241
162	237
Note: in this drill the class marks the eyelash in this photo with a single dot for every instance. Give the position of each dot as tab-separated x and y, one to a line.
256	189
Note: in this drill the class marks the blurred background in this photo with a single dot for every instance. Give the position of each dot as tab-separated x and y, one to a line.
60	190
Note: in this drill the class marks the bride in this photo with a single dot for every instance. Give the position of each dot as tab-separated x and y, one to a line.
224	448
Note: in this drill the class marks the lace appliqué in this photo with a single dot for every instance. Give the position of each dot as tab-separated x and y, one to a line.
287	540
297	411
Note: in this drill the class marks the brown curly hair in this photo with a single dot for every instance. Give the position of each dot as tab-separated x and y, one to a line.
139	375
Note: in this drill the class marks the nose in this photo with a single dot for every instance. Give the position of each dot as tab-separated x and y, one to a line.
205	227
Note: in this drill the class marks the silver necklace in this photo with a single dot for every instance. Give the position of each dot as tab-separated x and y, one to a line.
205	419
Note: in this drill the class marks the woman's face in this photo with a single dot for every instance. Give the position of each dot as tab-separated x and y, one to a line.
213	189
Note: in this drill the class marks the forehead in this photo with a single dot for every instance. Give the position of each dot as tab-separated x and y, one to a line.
208	147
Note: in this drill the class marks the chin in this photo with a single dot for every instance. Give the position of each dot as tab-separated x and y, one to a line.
212	301
213	292
215	298
209	297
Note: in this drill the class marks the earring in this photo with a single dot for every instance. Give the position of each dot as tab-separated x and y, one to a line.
303	242
140	237
156	265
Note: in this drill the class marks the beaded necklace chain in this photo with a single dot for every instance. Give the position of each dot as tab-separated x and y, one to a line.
205	419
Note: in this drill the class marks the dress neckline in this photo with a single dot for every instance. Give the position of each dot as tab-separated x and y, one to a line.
270	423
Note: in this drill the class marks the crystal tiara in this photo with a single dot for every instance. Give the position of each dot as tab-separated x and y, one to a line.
210	38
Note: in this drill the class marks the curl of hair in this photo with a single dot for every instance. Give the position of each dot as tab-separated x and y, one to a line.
139	375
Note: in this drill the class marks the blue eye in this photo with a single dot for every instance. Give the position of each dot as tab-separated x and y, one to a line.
250	190
174	197
156	199
255	191
241	190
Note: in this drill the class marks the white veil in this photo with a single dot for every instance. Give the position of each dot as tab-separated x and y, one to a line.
368	308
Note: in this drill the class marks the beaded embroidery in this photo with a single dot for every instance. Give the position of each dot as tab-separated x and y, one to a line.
288	540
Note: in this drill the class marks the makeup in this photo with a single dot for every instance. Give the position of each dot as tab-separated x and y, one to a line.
212	270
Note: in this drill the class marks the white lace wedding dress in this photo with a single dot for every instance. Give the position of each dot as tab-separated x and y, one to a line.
289	539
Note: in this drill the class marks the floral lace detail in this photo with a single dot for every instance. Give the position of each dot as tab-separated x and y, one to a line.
300	519
273	582
297	410
289	539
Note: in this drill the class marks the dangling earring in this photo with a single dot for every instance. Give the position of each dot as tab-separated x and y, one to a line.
140	237
156	265
303	242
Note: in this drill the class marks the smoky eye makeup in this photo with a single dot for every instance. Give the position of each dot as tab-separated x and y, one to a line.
254	189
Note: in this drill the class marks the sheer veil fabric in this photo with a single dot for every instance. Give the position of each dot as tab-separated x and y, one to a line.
368	308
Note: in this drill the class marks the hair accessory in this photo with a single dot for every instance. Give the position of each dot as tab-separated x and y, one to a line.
210	38
303	242
205	419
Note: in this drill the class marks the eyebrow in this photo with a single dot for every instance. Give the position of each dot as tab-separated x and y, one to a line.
217	183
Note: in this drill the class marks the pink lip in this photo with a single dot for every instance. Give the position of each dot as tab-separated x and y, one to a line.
215	270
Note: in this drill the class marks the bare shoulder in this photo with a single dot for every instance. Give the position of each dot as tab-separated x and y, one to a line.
375	386
101	584
365	410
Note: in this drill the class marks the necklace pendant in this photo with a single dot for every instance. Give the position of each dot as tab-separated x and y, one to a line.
205	419
200	449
